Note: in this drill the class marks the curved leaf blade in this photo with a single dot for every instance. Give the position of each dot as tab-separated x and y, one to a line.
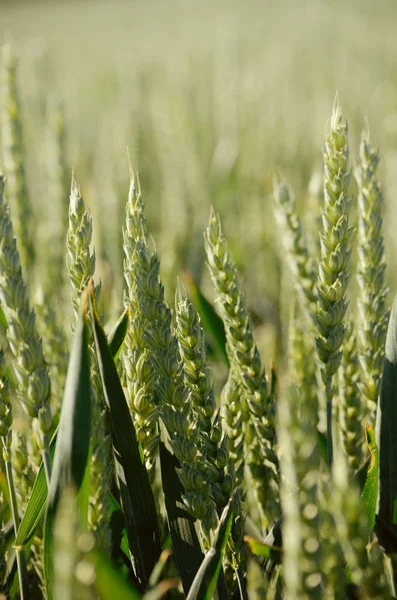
370	491
386	435
136	493
204	584
185	542
264	551
38	498
110	583
37	501
73	440
118	334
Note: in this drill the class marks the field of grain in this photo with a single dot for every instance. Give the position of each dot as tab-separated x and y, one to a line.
198	341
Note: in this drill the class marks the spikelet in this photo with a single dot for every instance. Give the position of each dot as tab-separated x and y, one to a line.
246	362
351	417
80	260
58	197
303	552
234	423
300	260
302	362
29	365
371	271
13	153
150	329
55	352
81	268
197	380
352	528
333	275
141	269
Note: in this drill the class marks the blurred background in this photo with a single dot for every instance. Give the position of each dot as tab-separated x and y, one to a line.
212	100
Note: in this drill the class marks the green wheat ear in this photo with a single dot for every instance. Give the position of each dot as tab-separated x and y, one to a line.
30	368
303	551
373	317
351	414
258	407
81	269
336	237
154	369
300	260
14	159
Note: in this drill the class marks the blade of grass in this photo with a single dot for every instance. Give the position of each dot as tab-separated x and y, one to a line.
205	582
37	501
386	431
73	440
264	551
118	334
185	542
136	493
370	491
115	508
110	583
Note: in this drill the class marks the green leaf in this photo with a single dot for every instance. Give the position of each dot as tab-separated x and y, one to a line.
386	434
262	550
118	334
110	583
185	542
83	497
205	582
73	440
211	321
64	544
273	539
370	491
38	498
322	445
116	508
37	501
136	493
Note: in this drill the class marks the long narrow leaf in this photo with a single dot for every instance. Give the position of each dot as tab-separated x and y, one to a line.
370	491
136	493
185	542
110	583
264	551
37	501
115	509
386	434
117	336
204	584
38	498
72	441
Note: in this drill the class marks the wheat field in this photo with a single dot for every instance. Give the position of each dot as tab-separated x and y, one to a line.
198	338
